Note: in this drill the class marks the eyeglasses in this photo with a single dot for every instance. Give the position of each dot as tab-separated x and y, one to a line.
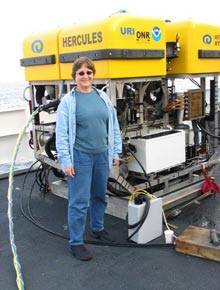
88	72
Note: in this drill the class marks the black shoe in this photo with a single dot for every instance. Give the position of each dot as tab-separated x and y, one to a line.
102	236
80	252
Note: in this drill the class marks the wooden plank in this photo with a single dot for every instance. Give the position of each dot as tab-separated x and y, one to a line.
196	241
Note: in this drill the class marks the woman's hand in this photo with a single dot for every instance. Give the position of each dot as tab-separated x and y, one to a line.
70	171
116	162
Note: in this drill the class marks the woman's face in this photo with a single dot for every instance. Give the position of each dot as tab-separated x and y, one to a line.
84	77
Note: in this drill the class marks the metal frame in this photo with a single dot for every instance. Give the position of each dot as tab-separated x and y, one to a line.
174	191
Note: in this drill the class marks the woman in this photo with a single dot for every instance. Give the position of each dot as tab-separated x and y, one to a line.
88	142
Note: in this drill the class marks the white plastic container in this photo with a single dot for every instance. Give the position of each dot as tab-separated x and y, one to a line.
152	227
169	238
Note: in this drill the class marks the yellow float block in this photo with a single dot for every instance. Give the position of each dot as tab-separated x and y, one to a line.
200	47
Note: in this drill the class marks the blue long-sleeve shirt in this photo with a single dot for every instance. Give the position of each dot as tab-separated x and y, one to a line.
66	129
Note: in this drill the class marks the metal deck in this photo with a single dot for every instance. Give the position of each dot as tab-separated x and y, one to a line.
46	263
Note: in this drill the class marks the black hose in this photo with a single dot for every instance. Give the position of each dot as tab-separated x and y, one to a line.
206	131
124	192
144	171
49	146
139	224
31	218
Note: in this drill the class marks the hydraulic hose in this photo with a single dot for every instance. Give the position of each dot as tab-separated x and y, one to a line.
144	171
201	126
48	149
122	192
138	225
29	216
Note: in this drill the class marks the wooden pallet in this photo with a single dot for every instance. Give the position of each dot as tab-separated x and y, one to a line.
196	241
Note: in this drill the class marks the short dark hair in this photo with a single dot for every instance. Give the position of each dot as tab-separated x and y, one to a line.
79	62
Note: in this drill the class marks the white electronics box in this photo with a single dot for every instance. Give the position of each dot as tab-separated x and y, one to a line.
158	151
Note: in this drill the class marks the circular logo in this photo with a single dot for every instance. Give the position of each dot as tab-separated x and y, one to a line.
37	46
207	39
156	33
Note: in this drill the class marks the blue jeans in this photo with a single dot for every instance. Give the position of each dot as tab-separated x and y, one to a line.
87	188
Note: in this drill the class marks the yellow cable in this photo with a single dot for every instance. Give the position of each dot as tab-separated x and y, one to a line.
17	266
140	191
151	196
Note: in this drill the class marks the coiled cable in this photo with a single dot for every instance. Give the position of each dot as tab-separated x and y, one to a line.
29	215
